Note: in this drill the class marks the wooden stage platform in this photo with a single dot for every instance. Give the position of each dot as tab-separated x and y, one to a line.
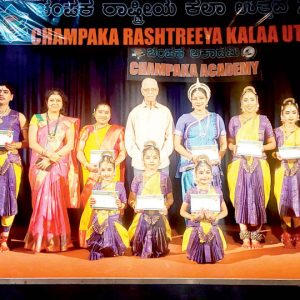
273	269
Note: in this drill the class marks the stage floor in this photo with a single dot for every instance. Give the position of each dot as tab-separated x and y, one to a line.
271	265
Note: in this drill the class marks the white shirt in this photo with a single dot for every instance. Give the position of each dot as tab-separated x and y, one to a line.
145	124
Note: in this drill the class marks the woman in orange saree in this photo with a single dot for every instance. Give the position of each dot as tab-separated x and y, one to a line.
53	176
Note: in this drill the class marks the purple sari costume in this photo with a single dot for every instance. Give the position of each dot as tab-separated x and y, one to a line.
108	237
150	231
203	241
287	178
9	182
249	184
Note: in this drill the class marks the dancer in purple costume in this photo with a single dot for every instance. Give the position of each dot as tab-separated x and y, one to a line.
150	231
203	240
249	178
14	129
106	235
287	175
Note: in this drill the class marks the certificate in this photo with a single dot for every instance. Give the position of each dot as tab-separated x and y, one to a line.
6	136
96	155
206	202
104	199
150	202
292	152
211	151
250	148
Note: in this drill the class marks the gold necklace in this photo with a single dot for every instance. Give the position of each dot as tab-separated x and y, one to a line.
288	132
3	114
246	119
51	135
97	126
200	114
97	139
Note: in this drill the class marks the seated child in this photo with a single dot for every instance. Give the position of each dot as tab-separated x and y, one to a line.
203	240
150	231
106	235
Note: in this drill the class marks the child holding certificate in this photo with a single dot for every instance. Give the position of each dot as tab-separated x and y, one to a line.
106	235
151	197
203	206
287	175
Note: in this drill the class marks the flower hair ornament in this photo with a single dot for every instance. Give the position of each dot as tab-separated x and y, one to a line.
289	101
150	145
203	160
107	153
108	157
196	86
249	88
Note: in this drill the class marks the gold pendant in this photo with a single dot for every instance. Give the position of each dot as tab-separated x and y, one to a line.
51	138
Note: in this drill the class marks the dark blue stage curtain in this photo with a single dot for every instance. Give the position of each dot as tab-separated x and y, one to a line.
92	74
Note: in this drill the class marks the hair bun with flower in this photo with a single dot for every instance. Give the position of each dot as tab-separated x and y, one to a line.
150	144
249	88
203	159
289	101
107	153
107	156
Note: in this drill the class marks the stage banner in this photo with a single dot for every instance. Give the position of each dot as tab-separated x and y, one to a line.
229	63
139	23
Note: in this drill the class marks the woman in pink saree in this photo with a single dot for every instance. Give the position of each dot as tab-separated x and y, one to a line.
53	176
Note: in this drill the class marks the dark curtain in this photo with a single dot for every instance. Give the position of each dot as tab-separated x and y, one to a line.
92	74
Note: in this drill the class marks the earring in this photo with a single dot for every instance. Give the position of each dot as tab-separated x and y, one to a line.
257	108
242	109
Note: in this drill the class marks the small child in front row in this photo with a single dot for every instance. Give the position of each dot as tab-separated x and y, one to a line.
150	232
203	240
106	235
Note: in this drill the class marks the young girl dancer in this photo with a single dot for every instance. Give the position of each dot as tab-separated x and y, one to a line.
106	235
203	240
150	231
287	175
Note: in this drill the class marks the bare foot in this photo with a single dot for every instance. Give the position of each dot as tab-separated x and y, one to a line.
4	247
256	245
287	240
246	244
297	241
